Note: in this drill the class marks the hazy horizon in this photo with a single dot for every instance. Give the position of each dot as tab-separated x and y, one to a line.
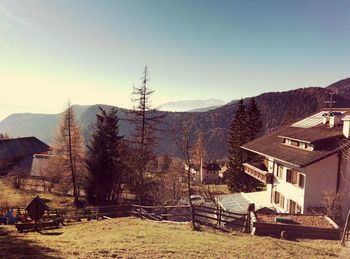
95	51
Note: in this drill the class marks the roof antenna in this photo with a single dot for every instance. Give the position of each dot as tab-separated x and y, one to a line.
331	100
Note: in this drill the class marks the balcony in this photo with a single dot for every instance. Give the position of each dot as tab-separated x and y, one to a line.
259	171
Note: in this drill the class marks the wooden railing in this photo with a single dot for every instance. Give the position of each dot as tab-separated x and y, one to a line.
257	173
162	212
221	219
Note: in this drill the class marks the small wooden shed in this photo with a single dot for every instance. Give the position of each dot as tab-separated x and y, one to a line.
36	208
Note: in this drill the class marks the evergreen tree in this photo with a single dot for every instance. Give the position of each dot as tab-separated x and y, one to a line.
254	121
244	128
238	135
104	160
254	125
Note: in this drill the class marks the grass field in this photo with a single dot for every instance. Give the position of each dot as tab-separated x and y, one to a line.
133	238
13	197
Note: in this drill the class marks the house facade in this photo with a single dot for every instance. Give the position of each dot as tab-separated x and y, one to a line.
301	163
211	173
208	173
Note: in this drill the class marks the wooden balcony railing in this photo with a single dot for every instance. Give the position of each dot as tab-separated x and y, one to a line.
257	173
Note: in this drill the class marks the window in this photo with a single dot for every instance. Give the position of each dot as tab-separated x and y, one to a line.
294	179
281	203
292	206
298	210
289	175
301	180
278	199
292	176
294	143
279	172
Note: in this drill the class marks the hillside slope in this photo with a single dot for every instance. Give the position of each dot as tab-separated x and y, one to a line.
276	108
134	238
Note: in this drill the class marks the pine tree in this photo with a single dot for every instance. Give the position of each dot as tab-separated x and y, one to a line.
238	135
254	122
69	152
254	125
104	160
245	127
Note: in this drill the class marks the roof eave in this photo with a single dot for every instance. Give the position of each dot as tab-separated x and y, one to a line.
262	154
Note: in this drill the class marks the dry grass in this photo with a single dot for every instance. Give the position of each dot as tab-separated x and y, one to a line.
12	197
133	238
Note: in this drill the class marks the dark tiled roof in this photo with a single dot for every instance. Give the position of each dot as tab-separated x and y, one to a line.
326	142
20	147
212	167
319	132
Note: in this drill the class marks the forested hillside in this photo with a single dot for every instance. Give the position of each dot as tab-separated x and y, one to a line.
276	108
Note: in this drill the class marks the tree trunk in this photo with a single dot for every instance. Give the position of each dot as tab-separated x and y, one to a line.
346	229
75	193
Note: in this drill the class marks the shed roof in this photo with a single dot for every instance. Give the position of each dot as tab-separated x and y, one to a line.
19	147
239	202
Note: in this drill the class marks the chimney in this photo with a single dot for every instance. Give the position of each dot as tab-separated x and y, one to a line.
346	126
325	118
334	119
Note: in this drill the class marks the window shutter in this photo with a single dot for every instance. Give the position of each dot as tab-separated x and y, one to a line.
288	203
273	196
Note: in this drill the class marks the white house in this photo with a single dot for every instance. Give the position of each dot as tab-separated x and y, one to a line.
302	161
211	173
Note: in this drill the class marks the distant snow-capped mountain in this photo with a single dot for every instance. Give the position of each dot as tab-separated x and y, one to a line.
192	105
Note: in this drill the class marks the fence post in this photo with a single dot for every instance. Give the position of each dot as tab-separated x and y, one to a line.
251	208
219	218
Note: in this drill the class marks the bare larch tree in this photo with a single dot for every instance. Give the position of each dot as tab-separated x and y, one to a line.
69	151
146	120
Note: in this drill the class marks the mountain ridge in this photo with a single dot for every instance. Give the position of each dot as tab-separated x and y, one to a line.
277	108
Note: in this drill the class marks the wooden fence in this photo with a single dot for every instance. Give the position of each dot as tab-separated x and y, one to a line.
203	215
77	214
221	219
172	213
96	212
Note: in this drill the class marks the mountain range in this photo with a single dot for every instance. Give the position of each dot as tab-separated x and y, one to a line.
277	108
192	105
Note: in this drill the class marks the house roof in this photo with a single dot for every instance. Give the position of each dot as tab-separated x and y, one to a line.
212	166
326	141
20	147
239	202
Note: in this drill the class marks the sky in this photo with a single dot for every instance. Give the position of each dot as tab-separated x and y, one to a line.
95	51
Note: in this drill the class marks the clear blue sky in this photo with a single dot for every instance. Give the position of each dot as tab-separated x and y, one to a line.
95	51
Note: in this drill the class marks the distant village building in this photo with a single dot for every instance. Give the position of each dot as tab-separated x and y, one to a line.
211	173
208	173
17	154
299	163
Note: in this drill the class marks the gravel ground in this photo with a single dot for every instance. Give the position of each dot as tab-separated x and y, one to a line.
304	220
